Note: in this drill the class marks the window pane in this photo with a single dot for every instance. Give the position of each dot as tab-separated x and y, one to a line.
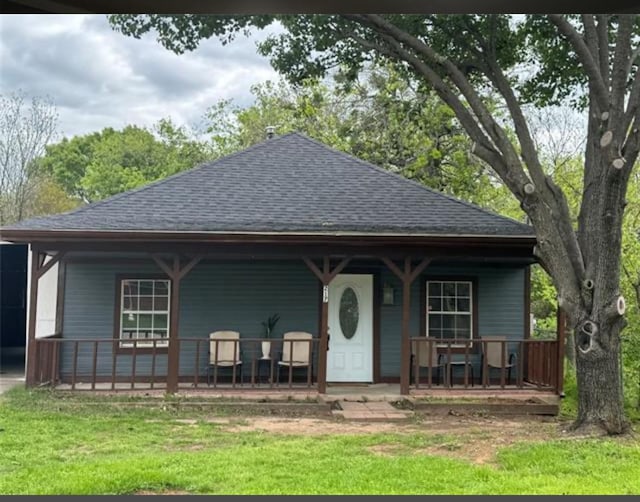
130	303
161	303
161	288
463	322
448	321
129	321
435	289
159	321
349	313
146	287
435	332
460	333
463	289
159	333
448	304
448	333
145	321
449	289
435	321
130	287
146	303
464	305
435	304
128	334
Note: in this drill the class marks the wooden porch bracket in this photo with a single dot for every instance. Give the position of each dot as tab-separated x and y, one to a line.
176	273
325	277
407	276
38	269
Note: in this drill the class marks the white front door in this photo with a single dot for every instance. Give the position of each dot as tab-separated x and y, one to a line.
350	355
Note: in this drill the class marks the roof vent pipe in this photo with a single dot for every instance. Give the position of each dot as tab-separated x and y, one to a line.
270	131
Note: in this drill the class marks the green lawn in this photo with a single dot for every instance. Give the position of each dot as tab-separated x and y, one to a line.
55	445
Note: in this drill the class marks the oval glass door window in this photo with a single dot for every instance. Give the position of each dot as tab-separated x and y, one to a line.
349	313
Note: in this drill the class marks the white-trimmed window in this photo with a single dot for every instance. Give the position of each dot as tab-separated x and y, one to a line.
144	312
449	309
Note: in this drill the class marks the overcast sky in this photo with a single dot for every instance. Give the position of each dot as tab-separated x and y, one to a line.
97	77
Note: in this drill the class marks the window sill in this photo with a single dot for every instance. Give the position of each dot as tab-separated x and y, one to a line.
142	350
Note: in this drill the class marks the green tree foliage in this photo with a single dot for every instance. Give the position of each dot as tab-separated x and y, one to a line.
101	164
49	198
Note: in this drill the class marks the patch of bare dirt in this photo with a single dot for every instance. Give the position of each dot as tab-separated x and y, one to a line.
473	438
478	439
312	426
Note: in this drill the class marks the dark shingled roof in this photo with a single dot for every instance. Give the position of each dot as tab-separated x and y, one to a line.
287	184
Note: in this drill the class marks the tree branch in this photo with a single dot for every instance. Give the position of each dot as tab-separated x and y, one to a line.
441	88
632	143
603	47
591	35
596	82
620	64
491	127
546	188
633	104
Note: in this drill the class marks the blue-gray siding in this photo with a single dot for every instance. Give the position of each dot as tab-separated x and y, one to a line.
500	307
239	295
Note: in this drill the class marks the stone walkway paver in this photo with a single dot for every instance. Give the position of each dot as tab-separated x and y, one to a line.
376	411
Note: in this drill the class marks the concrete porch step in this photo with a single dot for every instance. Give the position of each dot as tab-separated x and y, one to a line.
376	411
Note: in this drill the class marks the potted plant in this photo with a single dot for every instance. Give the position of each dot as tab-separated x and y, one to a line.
268	325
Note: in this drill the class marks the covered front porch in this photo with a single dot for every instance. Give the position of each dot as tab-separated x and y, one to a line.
234	286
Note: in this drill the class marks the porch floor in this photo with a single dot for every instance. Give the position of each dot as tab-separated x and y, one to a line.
335	392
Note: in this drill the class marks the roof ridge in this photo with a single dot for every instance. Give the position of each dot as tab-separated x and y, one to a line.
413	182
160	181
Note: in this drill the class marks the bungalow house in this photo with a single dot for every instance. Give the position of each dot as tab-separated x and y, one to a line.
376	278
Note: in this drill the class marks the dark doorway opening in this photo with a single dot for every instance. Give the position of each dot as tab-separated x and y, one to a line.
13	307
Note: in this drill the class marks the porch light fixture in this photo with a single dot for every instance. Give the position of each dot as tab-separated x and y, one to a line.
387	294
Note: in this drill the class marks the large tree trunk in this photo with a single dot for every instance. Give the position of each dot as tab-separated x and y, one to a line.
599	375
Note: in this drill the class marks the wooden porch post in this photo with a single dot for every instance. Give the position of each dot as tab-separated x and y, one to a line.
38	269
405	347
561	323
33	309
324	329
407	276
325	277
176	274
173	355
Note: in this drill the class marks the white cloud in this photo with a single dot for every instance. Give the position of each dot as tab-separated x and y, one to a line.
98	77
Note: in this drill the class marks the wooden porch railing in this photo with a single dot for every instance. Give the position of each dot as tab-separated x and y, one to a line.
520	364
111	364
105	364
47	358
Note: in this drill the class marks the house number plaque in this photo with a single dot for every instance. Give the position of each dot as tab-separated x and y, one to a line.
325	294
